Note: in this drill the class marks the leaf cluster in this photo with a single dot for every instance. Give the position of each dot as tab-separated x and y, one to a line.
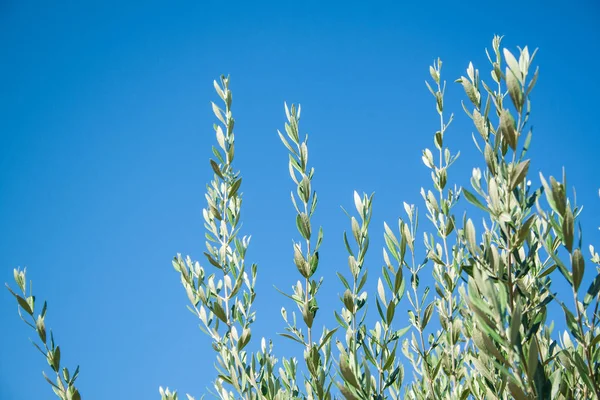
480	331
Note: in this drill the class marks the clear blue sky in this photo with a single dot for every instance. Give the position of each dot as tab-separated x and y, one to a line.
105	135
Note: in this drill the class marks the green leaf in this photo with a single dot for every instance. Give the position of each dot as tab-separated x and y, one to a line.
212	261
507	127
578	265
471	91
347	373
244	339
358	204
73	394
285	142
511	61
220	137
303	155
470	237
19	277
515	326
217	309
556	380
326	338
391	310
379	310
314	263
568	229
516	391
348	300
216	168
532	362
399	283
54	358
355	229
300	262
480	124
235	187
563	270
393	376
558	195
548	193
389	361
592	291
490	158
362	282
303	225
343	280
427	315
401	332
572	323
488	326
494	197
474	200
41	328
218	113
218	154
307	316
295	339
340	320
347	244
485	344
547	271
381	290
319	234
22	302
50	382
304	189
388	234
519	173
434	76
514	89
525	230
533	81
583	372
347	392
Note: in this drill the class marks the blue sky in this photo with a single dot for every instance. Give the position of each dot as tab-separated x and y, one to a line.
105	135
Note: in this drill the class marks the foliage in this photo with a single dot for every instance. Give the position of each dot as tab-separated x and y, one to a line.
64	386
492	282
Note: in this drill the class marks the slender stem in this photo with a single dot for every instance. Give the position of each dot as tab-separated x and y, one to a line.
307	283
354	333
225	238
443	235
509	258
424	364
508	229
595	314
354	315
586	348
309	330
59	379
380	386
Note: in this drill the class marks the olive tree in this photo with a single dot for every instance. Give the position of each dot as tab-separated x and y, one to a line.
492	282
